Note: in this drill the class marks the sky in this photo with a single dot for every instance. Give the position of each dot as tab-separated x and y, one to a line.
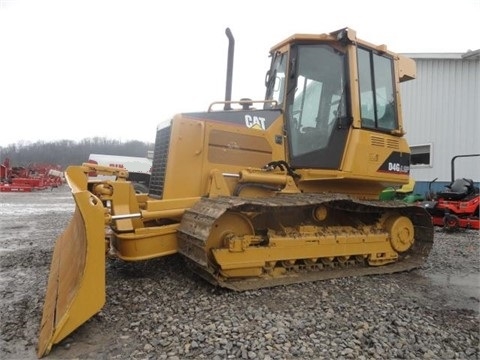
71	70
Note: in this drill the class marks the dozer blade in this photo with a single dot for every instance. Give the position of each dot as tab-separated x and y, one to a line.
76	284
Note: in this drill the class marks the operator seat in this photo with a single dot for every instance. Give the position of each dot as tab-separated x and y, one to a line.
458	190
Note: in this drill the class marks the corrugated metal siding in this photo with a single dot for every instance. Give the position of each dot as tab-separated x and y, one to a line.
442	107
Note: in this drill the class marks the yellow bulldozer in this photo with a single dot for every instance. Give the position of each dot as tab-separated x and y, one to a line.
256	194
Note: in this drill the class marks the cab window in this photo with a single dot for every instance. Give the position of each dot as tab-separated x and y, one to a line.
318	99
275	80
377	95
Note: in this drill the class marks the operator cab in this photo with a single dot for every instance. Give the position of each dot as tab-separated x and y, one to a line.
313	78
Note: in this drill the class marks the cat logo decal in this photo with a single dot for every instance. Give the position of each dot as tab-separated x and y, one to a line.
255	122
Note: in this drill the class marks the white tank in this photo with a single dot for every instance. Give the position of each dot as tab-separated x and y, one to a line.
130	163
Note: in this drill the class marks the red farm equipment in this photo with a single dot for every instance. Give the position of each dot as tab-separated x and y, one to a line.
30	178
457	206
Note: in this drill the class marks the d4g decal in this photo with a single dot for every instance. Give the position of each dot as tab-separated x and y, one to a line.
396	163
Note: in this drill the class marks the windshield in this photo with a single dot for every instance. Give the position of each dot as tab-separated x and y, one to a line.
275	80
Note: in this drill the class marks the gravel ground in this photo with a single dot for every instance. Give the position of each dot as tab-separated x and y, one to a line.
158	310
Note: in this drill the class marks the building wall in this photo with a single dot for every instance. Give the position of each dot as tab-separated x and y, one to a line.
441	107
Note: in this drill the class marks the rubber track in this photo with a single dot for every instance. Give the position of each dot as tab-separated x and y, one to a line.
198	220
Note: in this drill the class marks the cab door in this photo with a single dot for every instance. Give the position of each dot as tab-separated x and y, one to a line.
316	107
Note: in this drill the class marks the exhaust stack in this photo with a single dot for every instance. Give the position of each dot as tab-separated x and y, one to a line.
228	90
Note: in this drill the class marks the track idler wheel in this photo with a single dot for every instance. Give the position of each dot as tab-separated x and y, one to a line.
227	226
401	232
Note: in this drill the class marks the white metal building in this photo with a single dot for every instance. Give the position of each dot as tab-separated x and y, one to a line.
441	112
